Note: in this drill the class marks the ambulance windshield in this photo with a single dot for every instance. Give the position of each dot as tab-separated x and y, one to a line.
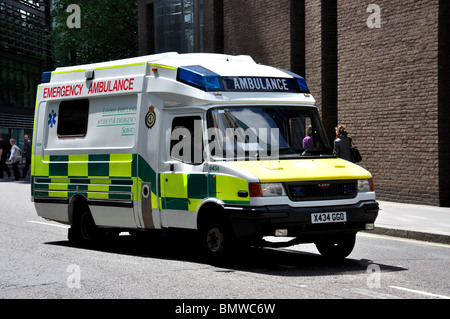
266	132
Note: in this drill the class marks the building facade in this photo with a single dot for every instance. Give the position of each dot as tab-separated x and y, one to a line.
25	52
379	67
170	26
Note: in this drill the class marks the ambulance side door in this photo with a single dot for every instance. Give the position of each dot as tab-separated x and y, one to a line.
183	180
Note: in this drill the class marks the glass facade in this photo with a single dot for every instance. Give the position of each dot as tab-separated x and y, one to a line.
178	26
19	83
25	53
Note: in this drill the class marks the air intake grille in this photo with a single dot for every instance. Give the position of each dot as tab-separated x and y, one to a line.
321	190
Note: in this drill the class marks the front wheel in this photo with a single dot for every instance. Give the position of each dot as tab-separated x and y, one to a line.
218	240
336	249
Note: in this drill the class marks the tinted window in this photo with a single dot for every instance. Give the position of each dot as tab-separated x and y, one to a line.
73	118
186	142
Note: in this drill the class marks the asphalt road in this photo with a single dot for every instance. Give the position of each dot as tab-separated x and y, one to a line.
37	261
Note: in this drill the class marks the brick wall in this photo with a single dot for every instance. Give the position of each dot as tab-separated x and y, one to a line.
258	28
313	49
213	26
387	94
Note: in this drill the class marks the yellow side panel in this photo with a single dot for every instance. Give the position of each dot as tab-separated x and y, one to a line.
176	185
227	187
78	165
41	165
120	165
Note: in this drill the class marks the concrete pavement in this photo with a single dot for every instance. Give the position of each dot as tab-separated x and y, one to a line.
420	222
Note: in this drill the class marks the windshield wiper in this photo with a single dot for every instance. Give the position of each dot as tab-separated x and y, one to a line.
316	151
286	151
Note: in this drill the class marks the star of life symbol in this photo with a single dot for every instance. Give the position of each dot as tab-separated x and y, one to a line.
52	119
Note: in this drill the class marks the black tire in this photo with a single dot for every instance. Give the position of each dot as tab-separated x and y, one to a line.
336	249
83	230
218	240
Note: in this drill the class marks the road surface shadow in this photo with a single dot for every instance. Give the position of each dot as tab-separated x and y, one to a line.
271	261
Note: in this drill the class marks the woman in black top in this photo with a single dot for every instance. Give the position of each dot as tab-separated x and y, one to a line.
342	143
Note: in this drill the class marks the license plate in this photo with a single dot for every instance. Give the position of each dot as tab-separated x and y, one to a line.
320	218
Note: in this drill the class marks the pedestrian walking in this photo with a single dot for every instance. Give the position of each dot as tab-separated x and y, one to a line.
4	150
342	143
27	154
15	158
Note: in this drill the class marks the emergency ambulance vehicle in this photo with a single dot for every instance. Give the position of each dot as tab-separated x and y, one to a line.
211	143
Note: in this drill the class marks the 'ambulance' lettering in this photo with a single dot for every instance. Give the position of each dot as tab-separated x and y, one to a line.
111	86
259	84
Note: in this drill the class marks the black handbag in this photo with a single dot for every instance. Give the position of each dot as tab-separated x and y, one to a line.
355	154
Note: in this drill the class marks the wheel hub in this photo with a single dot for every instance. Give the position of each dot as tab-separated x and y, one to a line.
214	240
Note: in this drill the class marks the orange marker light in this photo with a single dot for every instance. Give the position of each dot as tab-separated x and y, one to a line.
255	189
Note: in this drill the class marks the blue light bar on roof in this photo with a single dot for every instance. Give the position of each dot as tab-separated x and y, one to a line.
303	87
46	76
200	77
209	81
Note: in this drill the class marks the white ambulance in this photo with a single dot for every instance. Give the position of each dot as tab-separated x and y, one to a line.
211	143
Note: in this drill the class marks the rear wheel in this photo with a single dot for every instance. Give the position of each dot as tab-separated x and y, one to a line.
336	249
83	230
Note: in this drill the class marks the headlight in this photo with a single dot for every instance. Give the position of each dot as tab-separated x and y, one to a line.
272	189
265	189
365	185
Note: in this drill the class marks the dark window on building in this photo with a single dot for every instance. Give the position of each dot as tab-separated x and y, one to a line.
73	118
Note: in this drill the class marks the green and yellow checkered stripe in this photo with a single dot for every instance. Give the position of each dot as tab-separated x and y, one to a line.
119	177
114	189
187	191
96	176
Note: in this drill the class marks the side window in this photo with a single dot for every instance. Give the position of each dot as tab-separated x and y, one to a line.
73	118
186	140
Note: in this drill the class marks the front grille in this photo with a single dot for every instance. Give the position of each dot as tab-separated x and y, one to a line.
321	190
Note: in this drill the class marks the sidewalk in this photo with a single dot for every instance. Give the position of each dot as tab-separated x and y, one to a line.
420	222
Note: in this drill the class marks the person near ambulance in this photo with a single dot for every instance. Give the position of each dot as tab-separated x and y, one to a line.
15	158
4	150
27	154
342	143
